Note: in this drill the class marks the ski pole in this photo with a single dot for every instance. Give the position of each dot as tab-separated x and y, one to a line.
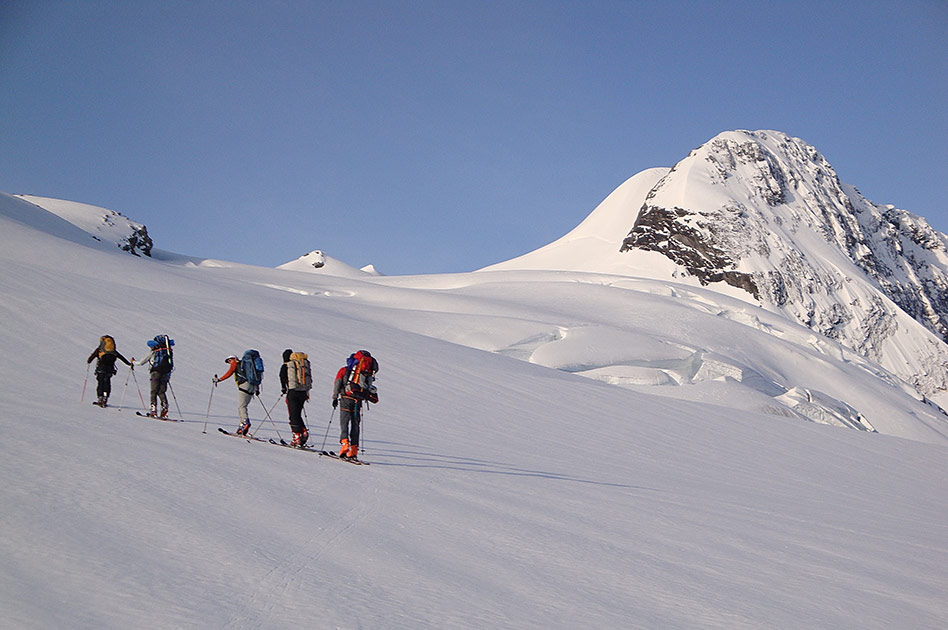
326	437
305	417
269	418
275	404
208	414
362	428
138	387
125	389
171	389
83	396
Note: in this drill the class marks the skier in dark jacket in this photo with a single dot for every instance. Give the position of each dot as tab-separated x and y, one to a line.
296	380
105	368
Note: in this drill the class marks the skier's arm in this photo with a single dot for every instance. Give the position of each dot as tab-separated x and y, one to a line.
92	356
284	379
124	360
337	387
230	371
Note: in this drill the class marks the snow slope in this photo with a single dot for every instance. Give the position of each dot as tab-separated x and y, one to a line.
502	493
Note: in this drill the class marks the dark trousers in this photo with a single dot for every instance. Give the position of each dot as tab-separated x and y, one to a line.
103	384
159	387
350	418
295	399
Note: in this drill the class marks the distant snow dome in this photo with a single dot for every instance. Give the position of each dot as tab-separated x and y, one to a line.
317	261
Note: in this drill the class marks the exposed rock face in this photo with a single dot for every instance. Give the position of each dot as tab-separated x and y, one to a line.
137	241
766	213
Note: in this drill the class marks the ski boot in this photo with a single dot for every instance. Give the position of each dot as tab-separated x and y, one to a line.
353	453
153	412
164	411
243	429
343	449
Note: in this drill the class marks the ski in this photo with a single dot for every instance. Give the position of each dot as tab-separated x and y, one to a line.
249	438
145	415
332	455
298	448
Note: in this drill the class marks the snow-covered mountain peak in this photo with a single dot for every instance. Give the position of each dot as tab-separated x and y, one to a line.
763	215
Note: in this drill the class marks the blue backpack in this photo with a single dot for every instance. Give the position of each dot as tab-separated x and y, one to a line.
162	361
250	368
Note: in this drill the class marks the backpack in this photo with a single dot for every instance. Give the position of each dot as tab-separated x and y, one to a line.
360	374
298	373
162	360
106	345
250	368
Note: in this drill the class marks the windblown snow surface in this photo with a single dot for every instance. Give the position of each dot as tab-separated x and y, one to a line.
551	450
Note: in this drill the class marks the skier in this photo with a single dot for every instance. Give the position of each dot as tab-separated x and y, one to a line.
105	367
296	380
161	360
246	390
353	384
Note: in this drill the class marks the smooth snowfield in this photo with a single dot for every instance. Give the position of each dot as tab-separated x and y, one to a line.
502	493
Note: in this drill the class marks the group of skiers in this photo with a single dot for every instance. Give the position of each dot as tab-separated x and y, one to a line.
353	384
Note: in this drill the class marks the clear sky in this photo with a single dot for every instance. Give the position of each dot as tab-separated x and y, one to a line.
445	135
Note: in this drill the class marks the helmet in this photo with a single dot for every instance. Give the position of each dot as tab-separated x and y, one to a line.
231	357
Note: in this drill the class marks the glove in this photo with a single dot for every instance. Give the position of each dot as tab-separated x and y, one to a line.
335	403
284	391
215	380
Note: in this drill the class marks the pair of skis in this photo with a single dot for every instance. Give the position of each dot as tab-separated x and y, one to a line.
284	443
137	413
163	419
249	438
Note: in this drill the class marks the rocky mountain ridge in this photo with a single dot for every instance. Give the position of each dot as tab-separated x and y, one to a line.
779	186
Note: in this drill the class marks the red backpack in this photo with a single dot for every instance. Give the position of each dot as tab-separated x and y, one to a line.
360	375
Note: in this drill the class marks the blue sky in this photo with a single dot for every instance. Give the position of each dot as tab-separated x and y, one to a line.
438	136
